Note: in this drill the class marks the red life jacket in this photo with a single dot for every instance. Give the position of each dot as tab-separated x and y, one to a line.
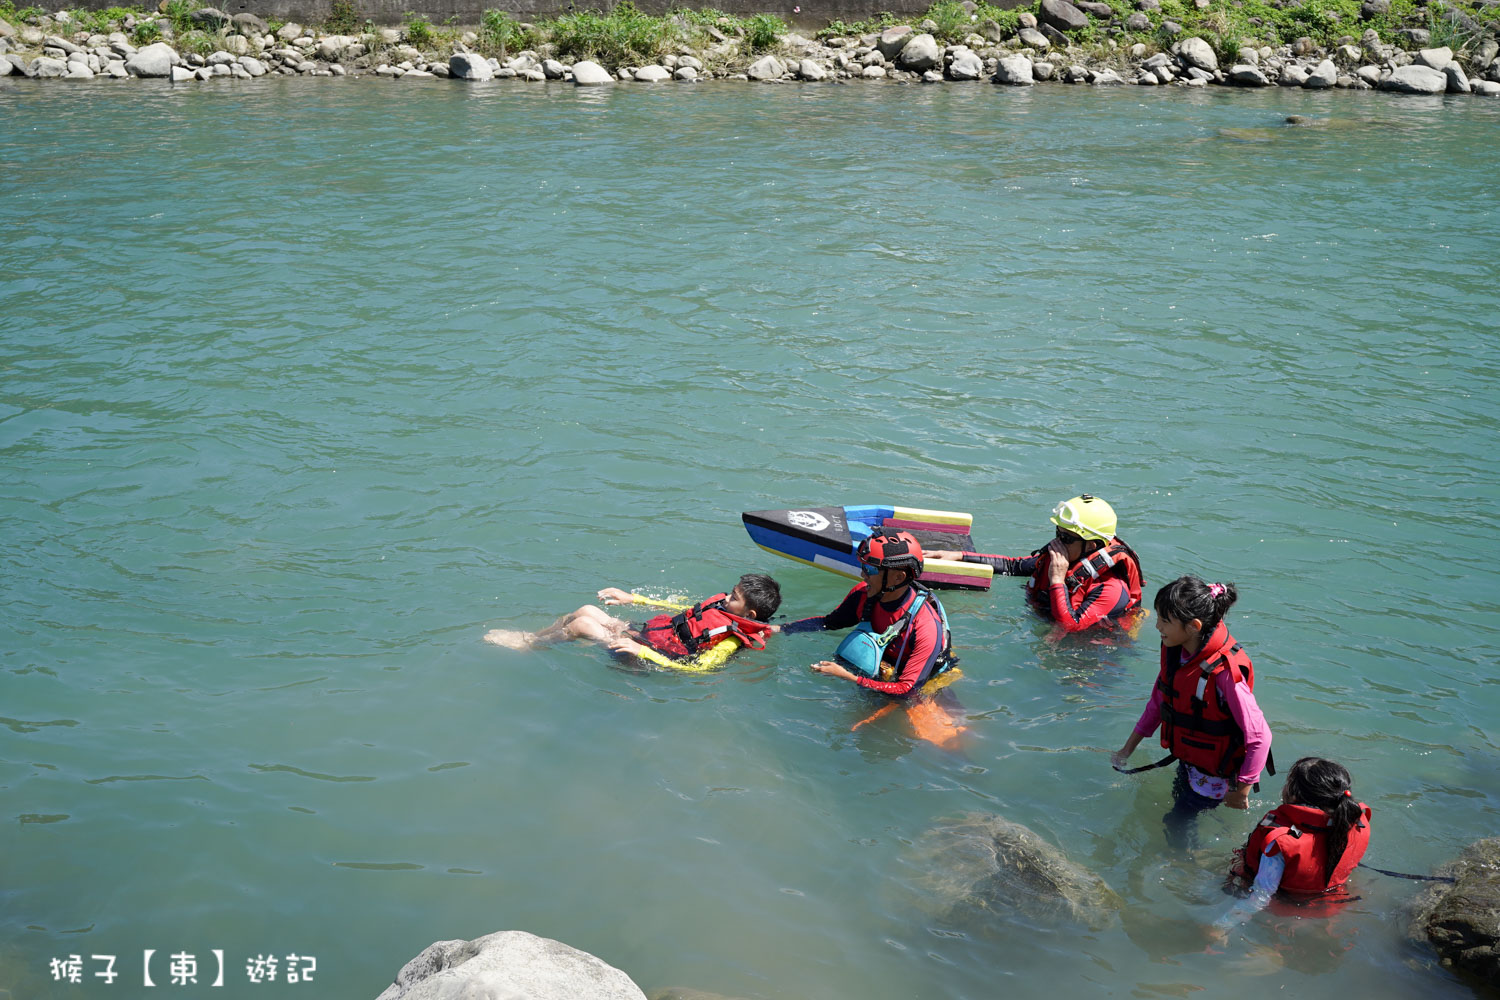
1195	723
1115	559
700	627
1300	835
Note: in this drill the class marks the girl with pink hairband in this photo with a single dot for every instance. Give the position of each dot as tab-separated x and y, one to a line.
1203	701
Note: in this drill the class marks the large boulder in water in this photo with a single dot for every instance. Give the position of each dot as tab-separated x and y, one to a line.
1462	920
509	964
983	863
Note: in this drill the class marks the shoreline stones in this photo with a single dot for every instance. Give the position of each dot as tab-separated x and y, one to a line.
1040	50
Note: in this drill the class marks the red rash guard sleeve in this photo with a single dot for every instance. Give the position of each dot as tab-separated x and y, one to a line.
1095	603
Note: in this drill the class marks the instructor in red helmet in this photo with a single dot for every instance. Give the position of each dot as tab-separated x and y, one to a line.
901	631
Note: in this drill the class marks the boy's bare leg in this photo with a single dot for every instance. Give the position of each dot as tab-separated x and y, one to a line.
588	622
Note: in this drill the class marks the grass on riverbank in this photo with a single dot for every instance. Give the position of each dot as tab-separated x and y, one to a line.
626	35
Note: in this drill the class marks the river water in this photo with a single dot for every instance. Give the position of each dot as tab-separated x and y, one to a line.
309	383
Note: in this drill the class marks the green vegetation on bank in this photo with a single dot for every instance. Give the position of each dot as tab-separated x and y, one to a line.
626	35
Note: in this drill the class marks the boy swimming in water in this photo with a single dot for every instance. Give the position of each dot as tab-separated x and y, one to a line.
700	637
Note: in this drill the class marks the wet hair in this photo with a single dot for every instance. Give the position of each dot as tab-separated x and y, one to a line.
1188	597
762	595
1320	783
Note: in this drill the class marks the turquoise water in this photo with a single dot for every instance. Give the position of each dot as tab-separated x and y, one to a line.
309	383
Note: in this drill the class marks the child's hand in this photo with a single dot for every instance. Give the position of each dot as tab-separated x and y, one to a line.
945	554
830	669
773	629
1119	757
1238	797
624	645
614	595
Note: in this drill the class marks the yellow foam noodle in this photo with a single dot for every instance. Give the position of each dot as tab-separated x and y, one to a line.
933	516
956	567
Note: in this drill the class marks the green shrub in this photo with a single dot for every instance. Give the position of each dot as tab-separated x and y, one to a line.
623	36
200	42
145	32
762	31
101	22
418	29
177	12
18	15
343	18
500	33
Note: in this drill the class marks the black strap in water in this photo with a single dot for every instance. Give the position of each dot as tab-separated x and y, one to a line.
1415	878
1146	767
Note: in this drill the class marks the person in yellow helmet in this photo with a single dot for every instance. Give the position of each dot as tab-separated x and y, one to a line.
1086	577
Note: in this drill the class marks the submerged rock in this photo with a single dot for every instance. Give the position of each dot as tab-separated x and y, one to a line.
509	964
983	863
1462	920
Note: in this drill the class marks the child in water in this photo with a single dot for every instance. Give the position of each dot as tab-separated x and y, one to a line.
700	637
1308	845
1204	704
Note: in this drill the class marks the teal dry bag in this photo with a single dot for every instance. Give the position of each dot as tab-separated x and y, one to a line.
863	649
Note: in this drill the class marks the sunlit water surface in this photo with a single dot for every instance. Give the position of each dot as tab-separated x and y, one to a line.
309	383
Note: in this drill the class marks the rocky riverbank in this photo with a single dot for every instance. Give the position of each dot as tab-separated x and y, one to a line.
1086	43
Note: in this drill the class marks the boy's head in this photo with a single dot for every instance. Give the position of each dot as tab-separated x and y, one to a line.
755	596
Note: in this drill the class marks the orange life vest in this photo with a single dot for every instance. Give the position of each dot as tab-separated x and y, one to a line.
1300	835
703	625
1196	725
1115	559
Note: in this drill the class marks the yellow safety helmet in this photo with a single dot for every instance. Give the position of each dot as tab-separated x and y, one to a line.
1086	516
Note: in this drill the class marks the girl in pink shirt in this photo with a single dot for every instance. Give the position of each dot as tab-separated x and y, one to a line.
1204	704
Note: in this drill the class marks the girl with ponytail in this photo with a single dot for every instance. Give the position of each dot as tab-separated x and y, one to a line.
1306	846
1204	703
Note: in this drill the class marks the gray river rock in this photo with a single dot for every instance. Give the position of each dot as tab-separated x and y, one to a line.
509	964
966	65
983	864
1033	38
920	54
892	40
1416	79
1061	15
1325	75
590	74
1197	52
1015	71
152	60
1462	920
767	68
470	66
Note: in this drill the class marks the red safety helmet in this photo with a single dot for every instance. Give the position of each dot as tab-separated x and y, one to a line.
892	550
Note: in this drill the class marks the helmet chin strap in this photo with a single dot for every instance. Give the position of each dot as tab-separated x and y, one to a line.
883	588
